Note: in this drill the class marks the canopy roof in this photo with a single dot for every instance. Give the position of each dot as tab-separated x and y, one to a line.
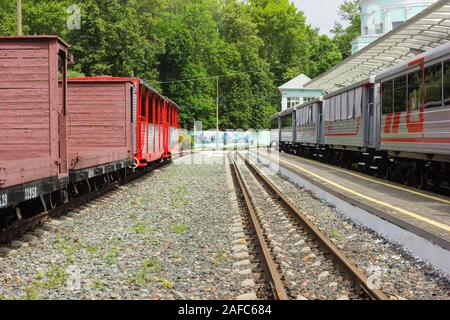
425	31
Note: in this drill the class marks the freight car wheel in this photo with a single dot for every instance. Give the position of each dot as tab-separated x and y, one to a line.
51	200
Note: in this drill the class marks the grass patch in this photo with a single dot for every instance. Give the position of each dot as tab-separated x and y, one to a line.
334	233
31	293
148	268
98	284
178	228
166	283
141	228
111	256
54	278
90	249
154	242
140	202
220	257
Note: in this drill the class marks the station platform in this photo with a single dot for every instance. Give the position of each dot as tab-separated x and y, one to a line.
422	213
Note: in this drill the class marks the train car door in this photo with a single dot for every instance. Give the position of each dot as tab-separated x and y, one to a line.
369	103
62	114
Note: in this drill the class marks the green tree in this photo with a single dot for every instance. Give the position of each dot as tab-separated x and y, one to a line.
284	31
249	89
349	11
193	52
111	41
7	17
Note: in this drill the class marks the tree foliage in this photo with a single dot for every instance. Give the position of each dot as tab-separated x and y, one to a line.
350	11
183	47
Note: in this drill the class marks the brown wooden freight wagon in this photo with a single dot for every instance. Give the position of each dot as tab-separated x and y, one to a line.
99	127
33	150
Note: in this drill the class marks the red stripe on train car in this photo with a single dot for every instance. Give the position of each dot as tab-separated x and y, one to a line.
417	140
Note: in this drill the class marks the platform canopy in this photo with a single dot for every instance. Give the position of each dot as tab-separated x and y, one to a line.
427	30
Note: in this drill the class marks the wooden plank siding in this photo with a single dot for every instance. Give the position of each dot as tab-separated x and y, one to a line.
29	139
99	117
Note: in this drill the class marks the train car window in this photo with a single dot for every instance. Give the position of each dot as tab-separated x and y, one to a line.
433	86
387	92
333	109
358	102
275	123
447	82
337	115
414	90
400	94
287	121
326	110
344	106
351	104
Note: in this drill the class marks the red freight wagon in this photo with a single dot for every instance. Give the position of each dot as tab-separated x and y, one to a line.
99	127
33	151
155	121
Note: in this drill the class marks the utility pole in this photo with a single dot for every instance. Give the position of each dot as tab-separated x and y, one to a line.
217	113
19	18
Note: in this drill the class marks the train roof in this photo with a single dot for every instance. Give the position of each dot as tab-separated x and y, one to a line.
38	37
430	55
124	79
351	87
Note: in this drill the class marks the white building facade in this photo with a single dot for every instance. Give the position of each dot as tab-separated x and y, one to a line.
381	16
294	94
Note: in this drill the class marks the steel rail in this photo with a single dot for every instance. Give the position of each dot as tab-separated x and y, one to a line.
357	274
269	264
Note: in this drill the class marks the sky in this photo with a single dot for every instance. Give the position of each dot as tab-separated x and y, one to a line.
320	13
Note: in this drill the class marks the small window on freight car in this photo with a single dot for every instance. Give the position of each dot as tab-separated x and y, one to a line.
400	94
447	82
414	90
143	102
131	103
387	99
433	86
150	109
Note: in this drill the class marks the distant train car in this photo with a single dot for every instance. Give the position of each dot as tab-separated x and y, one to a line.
99	128
308	127
155	129
33	146
287	123
274	131
394	124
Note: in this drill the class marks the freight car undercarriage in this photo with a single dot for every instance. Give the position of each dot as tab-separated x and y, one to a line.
19	205
417	171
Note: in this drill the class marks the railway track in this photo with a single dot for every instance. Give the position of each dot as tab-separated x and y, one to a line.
298	260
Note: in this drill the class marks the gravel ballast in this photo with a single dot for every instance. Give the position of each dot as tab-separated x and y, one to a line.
165	236
391	268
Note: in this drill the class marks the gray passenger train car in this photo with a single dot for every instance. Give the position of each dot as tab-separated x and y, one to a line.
397	123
